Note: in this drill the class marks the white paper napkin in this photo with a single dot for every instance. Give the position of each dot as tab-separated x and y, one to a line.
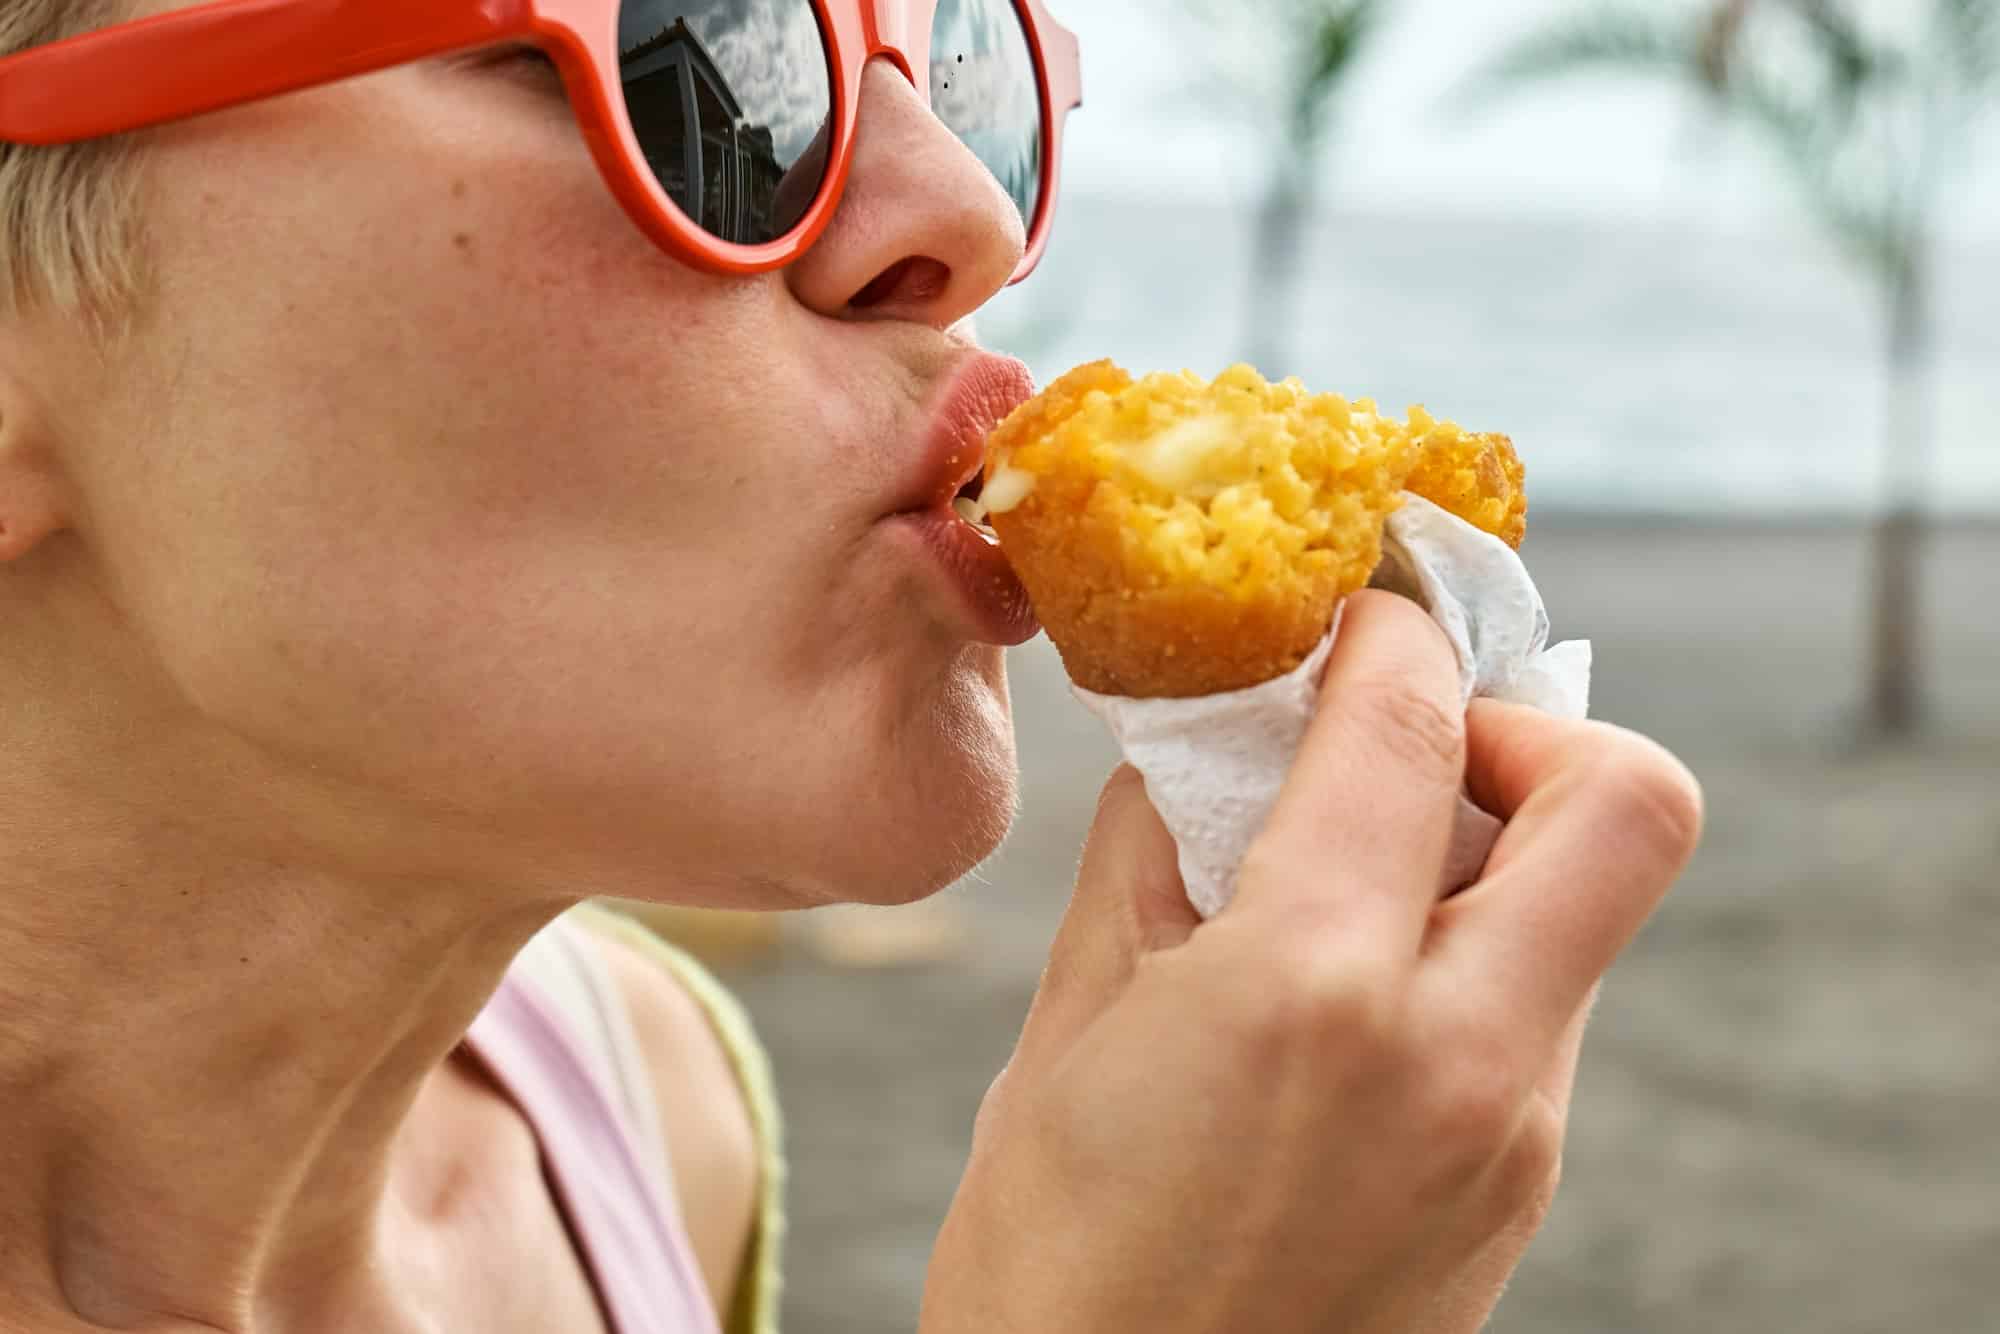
1214	765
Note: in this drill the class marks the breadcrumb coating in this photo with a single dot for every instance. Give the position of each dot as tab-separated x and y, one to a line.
1477	477
1182	538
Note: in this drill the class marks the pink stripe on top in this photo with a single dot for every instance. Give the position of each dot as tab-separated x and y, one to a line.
632	1240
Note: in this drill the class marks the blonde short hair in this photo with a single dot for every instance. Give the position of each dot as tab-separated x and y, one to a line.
69	216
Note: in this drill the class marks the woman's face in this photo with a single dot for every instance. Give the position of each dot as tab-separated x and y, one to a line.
435	481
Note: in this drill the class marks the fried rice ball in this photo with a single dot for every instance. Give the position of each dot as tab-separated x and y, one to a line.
1182	538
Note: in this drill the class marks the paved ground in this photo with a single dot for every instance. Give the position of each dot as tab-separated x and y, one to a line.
1789	1116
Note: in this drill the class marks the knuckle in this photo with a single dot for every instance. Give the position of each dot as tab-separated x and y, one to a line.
1652	794
1267	861
1476	1111
992	1107
1531	1168
1417	729
1475	1116
1124	786
1324	1001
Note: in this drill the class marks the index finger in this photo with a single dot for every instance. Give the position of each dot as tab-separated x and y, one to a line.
1363	822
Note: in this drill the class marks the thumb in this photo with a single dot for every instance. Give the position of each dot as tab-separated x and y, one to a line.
1128	902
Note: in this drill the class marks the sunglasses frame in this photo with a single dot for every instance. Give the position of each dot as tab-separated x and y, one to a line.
225	53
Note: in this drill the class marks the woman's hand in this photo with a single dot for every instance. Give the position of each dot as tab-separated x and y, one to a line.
1340	1105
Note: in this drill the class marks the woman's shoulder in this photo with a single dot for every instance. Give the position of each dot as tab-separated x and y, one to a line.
711	1083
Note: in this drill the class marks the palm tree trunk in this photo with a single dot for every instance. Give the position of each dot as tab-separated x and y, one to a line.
1270	321
1895	697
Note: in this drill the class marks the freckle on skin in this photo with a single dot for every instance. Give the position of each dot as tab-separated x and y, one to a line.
458	189
463	240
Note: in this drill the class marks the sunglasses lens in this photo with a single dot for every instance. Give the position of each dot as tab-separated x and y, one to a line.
985	88
732	105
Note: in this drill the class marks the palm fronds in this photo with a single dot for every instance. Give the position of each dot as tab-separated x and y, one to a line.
1848	196
1851	114
1853	60
1625	39
1968	31
1336	31
1282	60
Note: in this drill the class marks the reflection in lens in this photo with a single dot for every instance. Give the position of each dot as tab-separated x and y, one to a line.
726	98
984	87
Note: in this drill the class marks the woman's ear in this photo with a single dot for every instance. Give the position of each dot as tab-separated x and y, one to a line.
34	498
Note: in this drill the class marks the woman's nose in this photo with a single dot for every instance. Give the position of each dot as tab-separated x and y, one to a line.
924	232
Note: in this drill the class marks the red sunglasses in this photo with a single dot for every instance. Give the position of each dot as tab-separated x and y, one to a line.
724	127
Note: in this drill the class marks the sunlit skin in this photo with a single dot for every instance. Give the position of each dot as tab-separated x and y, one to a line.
436	553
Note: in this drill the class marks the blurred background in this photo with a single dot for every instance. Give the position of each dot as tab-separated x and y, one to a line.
1727	271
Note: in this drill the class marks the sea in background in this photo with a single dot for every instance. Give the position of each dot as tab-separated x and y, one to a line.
1662	368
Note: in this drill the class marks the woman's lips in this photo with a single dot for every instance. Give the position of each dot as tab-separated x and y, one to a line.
972	563
980	394
976	397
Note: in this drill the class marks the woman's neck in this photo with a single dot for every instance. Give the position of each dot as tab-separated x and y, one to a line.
206	1063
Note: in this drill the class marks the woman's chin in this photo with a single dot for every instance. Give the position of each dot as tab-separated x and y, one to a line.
928	830
887	811
936	866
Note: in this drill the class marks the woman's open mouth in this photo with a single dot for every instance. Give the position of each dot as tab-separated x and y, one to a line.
966	505
968	553
945	500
